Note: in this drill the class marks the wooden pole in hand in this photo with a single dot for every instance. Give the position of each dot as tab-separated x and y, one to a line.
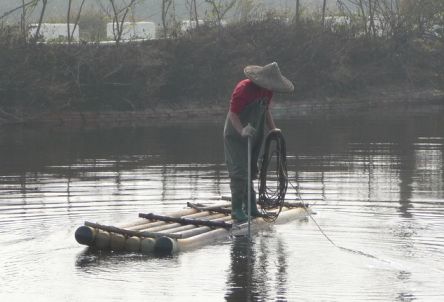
249	188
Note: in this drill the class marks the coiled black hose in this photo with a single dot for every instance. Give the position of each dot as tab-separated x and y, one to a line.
273	179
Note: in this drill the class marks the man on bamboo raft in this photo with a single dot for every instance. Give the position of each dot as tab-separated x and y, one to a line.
248	116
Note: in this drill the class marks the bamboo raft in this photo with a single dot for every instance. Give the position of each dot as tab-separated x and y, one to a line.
183	230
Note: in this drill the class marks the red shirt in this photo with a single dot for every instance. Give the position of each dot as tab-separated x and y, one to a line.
247	92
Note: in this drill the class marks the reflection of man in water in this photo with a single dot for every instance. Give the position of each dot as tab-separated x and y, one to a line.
251	266
248	114
241	285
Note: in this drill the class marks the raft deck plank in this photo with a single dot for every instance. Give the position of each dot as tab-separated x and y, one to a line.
179	231
186	221
126	232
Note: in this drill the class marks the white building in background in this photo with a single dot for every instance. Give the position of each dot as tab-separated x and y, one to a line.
186	25
132	31
54	31
379	27
437	31
337	22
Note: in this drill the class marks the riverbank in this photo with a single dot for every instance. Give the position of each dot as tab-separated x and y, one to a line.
388	101
154	81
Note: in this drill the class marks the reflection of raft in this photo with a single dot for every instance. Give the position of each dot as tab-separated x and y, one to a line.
192	227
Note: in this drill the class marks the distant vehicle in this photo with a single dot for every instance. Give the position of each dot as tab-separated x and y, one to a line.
54	32
132	31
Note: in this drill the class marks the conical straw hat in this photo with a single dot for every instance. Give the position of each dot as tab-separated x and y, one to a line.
269	77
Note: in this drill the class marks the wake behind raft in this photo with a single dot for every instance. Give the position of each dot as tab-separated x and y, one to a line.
199	225
187	229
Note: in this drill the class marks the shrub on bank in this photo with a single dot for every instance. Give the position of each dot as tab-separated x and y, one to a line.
205	64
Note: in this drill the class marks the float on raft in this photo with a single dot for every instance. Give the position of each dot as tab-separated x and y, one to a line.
183	230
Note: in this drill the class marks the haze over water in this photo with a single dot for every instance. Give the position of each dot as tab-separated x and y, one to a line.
375	182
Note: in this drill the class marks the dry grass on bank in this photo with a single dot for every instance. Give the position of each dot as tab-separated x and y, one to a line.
205	65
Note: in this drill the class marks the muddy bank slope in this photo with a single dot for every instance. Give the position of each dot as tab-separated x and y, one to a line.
192	76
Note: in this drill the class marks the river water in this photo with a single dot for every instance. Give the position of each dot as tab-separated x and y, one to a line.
375	182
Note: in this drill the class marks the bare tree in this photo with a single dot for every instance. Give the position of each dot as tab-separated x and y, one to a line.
76	20
422	14
31	3
119	14
389	11
246	8
166	5
42	14
324	6
23	20
390	17
196	18
192	8
220	8
23	17
297	14
361	8
371	16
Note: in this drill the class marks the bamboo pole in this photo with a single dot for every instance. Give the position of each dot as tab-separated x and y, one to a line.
199	230
170	245
249	187
166	226
137	224
142	221
147	245
192	212
163	225
132	244
181	227
87	234
215	206
173	237
117	241
182	220
113	229
102	240
226	208
148	224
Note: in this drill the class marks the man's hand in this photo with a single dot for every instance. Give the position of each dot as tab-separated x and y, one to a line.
248	130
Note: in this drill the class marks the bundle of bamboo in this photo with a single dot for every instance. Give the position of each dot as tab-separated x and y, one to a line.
183	230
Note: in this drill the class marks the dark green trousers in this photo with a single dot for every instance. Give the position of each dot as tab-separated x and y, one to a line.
236	157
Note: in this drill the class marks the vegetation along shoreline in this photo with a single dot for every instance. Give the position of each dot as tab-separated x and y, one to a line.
190	76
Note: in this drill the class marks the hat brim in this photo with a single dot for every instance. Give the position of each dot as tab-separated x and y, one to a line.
278	83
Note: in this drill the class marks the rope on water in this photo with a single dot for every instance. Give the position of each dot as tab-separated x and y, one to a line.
272	197
326	236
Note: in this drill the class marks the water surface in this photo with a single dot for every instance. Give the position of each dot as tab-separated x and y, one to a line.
376	183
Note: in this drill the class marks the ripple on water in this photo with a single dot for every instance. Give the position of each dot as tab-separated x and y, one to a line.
376	195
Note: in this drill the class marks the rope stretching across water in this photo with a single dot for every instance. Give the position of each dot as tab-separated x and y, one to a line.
272	198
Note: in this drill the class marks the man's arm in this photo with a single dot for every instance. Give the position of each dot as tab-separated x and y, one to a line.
270	122
235	121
